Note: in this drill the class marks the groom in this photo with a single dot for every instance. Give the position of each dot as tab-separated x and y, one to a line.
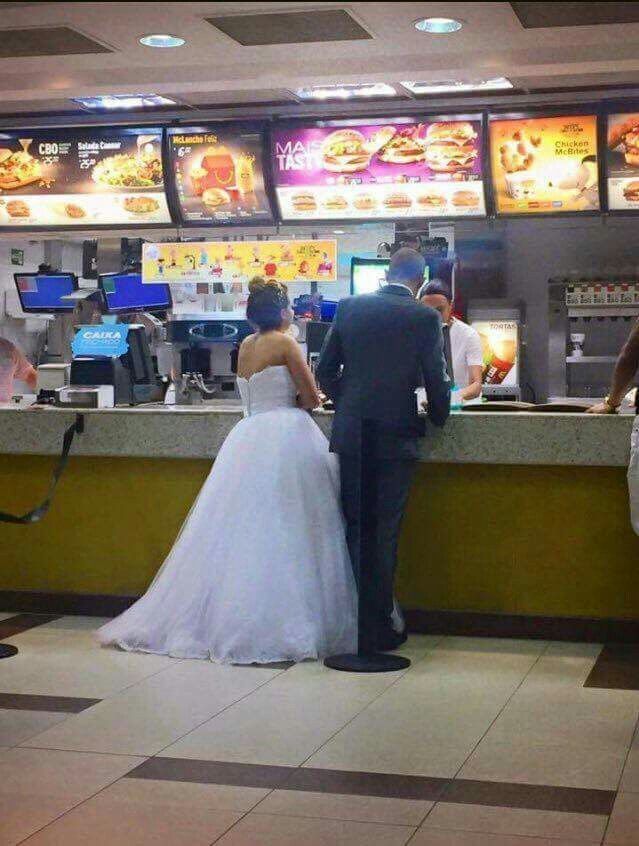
382	347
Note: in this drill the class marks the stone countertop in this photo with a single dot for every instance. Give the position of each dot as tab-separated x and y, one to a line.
198	432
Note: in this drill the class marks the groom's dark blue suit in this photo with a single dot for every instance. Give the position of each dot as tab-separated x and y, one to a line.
381	347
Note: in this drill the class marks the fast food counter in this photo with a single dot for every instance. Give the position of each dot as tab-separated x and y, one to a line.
515	522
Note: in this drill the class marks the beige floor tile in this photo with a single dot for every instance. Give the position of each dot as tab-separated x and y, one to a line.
74	624
67	664
426	837
265	830
106	821
18	726
542	720
374	809
157	711
282	723
218	797
630	777
49	773
553	764
409	735
22	815
623	829
585	828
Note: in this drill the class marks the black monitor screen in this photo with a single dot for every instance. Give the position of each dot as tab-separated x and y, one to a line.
125	292
42	293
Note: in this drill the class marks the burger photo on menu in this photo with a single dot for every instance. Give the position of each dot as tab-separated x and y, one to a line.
85	176
381	170
544	165
218	174
622	161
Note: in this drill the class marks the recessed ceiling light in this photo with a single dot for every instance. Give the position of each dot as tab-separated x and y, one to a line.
339	232
162	40
346	92
112	102
454	86
438	26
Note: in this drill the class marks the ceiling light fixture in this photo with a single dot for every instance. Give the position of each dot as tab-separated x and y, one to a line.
112	102
438	26
454	86
346	92
162	40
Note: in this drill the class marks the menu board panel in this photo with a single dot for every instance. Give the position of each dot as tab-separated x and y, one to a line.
622	161
381	170
218	174
82	177
544	165
500	346
206	262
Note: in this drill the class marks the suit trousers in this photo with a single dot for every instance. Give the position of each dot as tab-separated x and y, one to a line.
374	494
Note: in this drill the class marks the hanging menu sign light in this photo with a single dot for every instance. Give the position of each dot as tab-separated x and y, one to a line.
381	170
544	165
218	174
622	162
82	177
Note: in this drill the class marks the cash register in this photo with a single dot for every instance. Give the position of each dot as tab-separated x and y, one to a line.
129	377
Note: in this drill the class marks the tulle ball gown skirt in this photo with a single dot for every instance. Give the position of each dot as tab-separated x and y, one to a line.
260	571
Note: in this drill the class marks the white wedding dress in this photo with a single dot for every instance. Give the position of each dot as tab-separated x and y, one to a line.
260	571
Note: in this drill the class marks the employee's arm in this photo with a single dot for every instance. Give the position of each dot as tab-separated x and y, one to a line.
329	366
624	372
433	363
473	388
24	370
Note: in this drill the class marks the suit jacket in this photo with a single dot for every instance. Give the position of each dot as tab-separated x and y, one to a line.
380	348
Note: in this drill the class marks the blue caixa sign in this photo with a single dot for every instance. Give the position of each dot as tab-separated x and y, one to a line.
101	340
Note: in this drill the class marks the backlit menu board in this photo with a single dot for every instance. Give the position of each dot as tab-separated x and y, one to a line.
218	174
544	165
622	161
81	177
381	170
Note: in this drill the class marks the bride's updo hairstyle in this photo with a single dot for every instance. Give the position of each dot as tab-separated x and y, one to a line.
267	299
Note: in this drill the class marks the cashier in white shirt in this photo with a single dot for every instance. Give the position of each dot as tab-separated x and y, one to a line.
465	344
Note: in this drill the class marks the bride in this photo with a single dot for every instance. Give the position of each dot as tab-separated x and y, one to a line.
260	570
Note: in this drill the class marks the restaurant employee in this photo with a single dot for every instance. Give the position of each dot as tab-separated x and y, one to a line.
467	359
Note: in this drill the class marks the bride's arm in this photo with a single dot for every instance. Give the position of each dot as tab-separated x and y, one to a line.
300	371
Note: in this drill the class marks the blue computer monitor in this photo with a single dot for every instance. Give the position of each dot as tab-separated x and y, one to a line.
42	293
125	292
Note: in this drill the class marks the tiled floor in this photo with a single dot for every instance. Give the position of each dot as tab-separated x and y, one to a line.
479	743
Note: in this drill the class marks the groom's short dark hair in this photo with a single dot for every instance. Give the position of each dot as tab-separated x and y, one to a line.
406	266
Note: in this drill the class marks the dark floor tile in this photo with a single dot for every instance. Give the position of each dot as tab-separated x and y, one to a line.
366	784
212	772
23	622
62	704
616	668
537	797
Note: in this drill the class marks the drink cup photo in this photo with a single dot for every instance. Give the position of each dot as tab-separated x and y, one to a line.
521	185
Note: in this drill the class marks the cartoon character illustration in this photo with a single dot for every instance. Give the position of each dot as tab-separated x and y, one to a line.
287	256
255	261
303	268
161	266
204	258
189	261
172	257
216	270
325	267
270	267
230	253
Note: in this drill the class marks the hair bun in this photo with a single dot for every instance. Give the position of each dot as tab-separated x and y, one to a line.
259	283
